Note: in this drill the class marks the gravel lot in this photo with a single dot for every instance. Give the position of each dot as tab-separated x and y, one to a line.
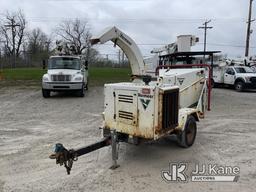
31	125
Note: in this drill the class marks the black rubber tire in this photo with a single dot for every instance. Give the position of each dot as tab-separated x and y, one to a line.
239	86
81	92
46	93
86	86
187	137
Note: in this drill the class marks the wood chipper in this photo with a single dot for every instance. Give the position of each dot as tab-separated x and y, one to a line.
148	108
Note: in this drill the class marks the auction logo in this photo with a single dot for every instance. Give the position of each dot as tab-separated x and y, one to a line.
178	172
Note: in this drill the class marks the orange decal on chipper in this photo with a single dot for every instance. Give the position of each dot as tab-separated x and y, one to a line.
145	91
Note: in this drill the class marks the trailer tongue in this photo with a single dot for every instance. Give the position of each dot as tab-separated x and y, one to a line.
146	109
66	157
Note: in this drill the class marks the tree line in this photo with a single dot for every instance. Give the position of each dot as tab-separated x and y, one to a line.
24	47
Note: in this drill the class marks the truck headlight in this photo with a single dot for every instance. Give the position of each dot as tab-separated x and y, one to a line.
78	78
45	79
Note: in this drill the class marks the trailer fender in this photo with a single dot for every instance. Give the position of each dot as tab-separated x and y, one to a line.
183	115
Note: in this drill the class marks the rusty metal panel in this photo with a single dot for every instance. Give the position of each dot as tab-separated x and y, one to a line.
146	108
167	111
132	111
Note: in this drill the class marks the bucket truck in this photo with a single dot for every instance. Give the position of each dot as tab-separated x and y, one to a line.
67	71
148	108
234	73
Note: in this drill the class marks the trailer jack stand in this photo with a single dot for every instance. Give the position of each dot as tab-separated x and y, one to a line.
114	144
66	157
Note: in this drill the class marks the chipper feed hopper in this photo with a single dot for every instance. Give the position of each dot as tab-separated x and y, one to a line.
147	108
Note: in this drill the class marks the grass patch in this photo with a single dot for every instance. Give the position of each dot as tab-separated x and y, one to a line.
100	76
33	76
17	74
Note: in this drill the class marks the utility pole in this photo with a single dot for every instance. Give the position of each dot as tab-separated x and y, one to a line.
250	20
12	25
205	27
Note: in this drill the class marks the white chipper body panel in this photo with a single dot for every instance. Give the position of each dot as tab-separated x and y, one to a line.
151	111
189	81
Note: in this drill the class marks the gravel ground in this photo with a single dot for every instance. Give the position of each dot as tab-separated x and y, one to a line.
30	125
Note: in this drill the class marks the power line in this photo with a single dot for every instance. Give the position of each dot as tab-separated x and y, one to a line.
227	45
97	0
134	20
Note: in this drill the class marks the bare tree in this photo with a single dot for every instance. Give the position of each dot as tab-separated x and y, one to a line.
76	33
38	41
12	30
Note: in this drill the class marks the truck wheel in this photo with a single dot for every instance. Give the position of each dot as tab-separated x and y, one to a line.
187	137
86	86
46	93
239	86
81	92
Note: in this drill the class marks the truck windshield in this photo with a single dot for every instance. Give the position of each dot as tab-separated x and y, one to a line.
64	63
243	70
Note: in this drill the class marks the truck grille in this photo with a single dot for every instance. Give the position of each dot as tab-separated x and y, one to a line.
61	77
170	109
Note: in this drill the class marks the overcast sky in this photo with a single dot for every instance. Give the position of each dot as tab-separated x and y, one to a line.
149	22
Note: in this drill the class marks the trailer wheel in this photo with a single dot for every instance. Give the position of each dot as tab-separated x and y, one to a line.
187	137
239	86
46	93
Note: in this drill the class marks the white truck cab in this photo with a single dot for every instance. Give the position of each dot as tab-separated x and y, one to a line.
240	77
65	73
